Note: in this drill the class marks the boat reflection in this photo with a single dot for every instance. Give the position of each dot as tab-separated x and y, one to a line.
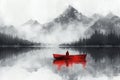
69	60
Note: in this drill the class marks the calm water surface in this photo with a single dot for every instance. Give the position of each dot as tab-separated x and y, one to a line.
37	64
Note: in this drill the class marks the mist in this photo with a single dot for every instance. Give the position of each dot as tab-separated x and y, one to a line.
17	12
57	35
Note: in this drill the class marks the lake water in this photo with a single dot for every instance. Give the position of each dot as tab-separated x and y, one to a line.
38	64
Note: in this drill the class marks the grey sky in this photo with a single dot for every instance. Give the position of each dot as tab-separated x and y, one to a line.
17	12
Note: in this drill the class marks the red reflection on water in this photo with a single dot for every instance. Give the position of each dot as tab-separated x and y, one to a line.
69	60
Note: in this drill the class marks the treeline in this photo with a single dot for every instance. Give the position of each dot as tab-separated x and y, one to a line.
10	40
99	39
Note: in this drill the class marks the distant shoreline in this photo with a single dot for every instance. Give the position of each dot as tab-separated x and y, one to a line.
60	46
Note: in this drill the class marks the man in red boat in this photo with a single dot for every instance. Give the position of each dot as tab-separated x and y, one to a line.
67	53
68	60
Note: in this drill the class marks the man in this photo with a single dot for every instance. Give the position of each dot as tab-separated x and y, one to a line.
67	53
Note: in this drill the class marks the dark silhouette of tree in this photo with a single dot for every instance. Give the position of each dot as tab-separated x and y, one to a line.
99	39
10	40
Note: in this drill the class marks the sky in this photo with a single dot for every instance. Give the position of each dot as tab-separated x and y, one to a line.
16	12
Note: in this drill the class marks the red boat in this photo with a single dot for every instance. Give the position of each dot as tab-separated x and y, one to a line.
69	60
67	56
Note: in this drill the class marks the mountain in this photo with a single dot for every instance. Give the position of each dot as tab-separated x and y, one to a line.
106	25
110	15
11	30
32	23
71	15
96	16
